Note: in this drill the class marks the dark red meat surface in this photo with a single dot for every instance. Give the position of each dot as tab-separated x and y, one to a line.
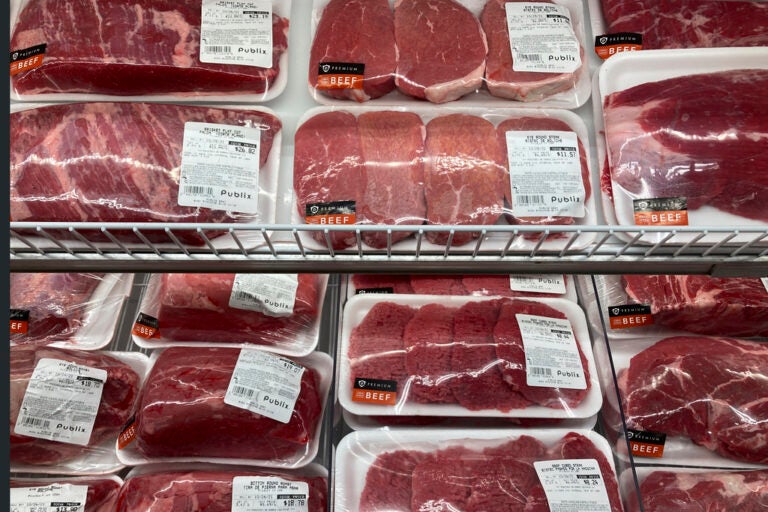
428	340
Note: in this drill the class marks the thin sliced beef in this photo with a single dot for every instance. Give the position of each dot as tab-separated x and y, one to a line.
389	480
437	285
428	340
443	483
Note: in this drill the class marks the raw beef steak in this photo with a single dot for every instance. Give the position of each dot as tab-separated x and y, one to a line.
56	304
118	398
195	307
437	285
441	49
500	78
393	149
210	490
684	137
389	481
443	482
114	162
703	304
661	491
328	167
511	353
182	412
689	23
500	483
131	48
101	495
356	32
428	340
463	175
711	390
526	124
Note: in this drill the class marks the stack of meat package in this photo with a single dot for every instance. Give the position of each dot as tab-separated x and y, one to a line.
690	354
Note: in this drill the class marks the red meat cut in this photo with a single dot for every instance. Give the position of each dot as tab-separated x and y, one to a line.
390	283
463	175
503	81
441	49
437	285
101	495
689	23
703	304
711	390
174	490
393	149
86	55
328	167
510	351
182	412
388	483
685	137
118	398
357	32
443	481
195	307
113	162
746	491
428	340
56	304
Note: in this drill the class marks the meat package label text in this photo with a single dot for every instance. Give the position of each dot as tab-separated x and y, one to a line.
27	59
340	75
551	355
630	315
541	38
237	33
374	391
661	211
49	498
645	443
19	321
573	485
543	283
607	45
335	212
269	294
269	493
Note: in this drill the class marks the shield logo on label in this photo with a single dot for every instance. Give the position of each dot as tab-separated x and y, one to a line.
361	383
15	56
616	311
314	209
326	67
603	40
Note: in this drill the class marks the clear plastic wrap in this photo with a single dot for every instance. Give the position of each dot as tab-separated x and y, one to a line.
280	313
185	487
199	404
101	493
66	310
58	409
149	49
441	166
466	471
421	355
123	162
706	394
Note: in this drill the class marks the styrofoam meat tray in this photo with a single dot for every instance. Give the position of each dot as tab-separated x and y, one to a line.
358	307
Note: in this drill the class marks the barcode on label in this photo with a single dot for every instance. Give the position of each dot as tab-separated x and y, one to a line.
285	393
537	370
36	422
240	295
529	56
198	191
218	49
529	199
243	391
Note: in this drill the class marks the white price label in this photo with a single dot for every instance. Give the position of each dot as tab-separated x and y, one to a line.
573	485
765	282
545	174
236	33
270	294
542	283
61	402
551	356
220	167
49	498
541	38
269	494
265	384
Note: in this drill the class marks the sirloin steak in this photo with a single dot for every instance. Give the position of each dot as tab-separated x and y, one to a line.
131	48
441	49
356	32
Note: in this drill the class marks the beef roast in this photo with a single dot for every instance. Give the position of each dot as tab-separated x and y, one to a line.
356	32
90	48
711	390
463	175
441	49
428	340
182	412
703	304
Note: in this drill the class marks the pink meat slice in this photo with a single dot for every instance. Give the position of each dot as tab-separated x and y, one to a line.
443	483
428	340
389	481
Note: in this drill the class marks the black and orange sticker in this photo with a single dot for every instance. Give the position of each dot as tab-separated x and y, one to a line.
662	211
340	75
336	212
630	315
374	391
146	326
128	435
644	443
608	45
27	59
363	291
19	321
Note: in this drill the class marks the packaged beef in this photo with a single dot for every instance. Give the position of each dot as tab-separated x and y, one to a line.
91	494
228	405
219	488
688	23
410	356
662	489
278	312
485	470
119	162
68	407
189	49
707	391
74	310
